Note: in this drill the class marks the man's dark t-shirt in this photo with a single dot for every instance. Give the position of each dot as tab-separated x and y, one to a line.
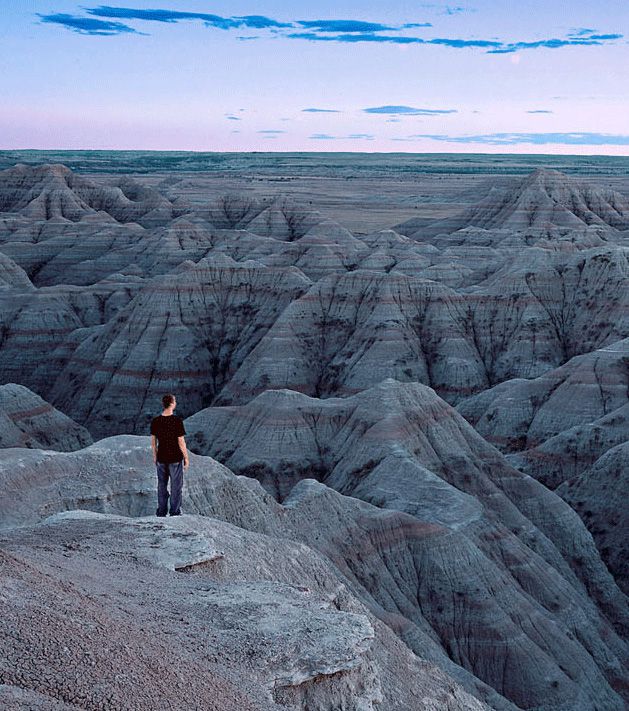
167	428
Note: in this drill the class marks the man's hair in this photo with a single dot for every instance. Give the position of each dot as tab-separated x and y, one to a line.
168	400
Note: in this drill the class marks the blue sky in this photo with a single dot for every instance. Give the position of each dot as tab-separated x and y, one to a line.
489	76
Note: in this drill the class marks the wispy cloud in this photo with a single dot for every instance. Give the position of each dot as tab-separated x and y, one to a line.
583	33
343	26
353	38
321	111
351	136
492	46
540	111
554	43
88	25
271	131
170	16
539	139
407	111
107	20
456	10
448	9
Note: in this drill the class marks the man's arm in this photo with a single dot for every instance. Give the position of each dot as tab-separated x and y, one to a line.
182	447
154	448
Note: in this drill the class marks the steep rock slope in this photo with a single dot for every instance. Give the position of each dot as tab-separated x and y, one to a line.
542	308
39	328
12	276
187	332
574	450
351	331
545	197
522	414
402	448
28	421
598	494
54	191
279	216
561	429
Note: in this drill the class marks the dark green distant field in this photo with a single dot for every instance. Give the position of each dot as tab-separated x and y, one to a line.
316	164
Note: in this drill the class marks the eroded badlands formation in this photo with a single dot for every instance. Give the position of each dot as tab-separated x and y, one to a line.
410	450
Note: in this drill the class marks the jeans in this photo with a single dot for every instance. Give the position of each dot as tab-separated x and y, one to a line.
175	471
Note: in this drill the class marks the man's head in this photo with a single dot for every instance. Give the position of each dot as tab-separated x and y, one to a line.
169	401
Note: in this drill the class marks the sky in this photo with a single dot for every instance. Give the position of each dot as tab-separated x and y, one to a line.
492	76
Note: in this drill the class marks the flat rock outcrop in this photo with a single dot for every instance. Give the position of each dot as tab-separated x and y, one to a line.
259	624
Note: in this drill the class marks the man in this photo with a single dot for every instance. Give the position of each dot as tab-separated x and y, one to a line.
170	456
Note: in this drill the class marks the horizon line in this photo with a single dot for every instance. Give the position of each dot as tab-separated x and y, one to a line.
277	152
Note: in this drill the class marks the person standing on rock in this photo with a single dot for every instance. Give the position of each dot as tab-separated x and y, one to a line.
170	456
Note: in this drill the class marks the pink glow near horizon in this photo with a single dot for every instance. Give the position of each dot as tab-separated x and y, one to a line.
184	86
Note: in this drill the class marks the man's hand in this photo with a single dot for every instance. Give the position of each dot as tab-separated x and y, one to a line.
186	462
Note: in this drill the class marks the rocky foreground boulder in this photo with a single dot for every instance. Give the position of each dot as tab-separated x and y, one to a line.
193	612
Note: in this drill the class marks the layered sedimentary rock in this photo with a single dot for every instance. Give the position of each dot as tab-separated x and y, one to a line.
427	581
561	428
546	197
523	414
28	421
270	616
574	450
400	447
433	562
40	328
188	331
598	494
54	191
13	276
351	331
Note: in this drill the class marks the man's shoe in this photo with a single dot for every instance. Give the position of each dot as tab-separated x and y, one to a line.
161	515
178	513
